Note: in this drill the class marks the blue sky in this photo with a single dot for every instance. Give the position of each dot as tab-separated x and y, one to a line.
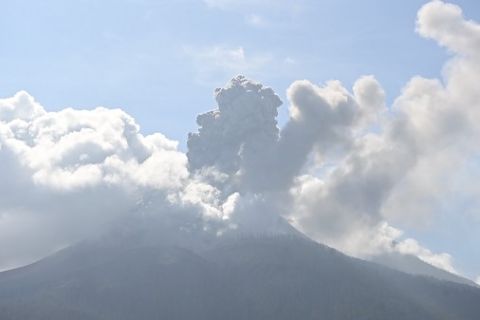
160	60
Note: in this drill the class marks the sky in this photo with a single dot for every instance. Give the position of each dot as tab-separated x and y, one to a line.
143	55
160	61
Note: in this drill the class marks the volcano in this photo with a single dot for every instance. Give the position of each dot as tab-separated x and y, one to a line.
274	276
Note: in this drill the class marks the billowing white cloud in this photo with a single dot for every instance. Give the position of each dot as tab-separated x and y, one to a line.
66	173
444	22
21	107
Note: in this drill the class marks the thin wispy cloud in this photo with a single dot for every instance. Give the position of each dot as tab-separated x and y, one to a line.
234	4
260	13
220	62
256	20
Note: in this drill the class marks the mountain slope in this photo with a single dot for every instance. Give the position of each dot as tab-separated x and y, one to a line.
284	277
413	265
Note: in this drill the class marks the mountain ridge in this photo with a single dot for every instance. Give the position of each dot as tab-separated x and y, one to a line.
245	277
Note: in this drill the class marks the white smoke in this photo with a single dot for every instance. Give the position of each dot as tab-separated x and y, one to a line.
403	169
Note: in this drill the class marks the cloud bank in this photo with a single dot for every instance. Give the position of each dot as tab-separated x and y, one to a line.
344	169
65	173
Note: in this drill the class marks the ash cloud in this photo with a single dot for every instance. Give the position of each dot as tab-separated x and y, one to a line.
238	137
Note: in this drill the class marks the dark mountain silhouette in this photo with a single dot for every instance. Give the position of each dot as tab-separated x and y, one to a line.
237	277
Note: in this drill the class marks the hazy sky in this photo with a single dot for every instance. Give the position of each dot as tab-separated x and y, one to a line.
160	61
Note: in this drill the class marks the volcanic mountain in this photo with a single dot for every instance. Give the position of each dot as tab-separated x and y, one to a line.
282	275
